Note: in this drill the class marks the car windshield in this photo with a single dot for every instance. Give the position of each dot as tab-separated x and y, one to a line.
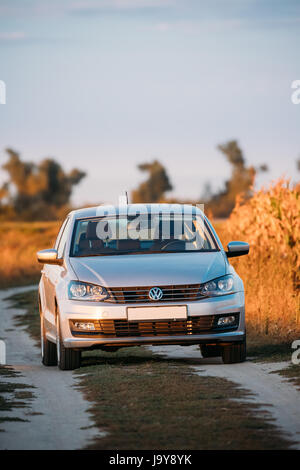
142	234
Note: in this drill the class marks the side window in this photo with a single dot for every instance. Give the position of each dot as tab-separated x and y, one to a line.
62	242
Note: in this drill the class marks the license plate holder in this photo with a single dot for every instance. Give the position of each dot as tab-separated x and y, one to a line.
172	312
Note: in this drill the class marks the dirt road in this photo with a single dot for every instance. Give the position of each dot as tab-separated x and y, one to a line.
57	416
278	398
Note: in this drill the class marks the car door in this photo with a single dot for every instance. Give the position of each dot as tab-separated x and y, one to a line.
51	275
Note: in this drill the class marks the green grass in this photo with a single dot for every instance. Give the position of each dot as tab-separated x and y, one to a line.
144	401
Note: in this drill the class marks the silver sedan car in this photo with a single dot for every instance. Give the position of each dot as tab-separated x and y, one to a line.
132	275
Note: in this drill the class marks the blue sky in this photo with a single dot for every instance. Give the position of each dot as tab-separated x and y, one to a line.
104	85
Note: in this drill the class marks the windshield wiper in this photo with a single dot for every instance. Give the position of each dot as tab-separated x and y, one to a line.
113	253
144	252
109	254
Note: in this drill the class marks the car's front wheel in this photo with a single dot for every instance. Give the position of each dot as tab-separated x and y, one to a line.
234	353
67	358
48	349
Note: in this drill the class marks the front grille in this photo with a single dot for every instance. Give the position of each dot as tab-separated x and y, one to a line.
176	293
123	328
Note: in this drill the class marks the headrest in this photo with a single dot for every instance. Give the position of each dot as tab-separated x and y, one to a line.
91	231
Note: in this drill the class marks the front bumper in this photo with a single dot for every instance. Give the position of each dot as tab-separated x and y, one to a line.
80	310
218	338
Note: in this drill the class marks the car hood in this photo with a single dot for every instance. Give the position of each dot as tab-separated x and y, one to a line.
149	269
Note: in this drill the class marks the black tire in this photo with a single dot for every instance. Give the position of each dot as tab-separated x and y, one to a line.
210	351
48	349
67	358
234	353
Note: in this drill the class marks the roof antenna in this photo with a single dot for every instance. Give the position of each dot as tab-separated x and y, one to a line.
123	199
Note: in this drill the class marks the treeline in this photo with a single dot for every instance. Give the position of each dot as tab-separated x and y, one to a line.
36	191
42	191
220	203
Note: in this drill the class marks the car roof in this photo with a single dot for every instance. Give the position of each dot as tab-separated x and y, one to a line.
110	210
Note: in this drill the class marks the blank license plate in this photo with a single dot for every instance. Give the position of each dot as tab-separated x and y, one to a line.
177	312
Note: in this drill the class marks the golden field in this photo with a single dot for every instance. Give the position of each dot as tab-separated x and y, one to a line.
19	243
269	221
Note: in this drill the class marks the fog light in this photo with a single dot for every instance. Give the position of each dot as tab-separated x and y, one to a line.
83	325
225	321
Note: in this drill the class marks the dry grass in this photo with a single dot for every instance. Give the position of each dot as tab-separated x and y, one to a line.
145	401
270	222
19	243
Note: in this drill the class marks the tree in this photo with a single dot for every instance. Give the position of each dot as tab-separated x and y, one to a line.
240	183
36	190
154	188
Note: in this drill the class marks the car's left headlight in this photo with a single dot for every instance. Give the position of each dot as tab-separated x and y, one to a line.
220	286
83	291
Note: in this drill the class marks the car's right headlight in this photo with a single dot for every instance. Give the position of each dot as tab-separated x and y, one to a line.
83	291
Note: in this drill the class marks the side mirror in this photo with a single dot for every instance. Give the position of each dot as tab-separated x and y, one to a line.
49	257
237	249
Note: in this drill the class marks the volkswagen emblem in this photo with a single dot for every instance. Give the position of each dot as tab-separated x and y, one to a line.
155	293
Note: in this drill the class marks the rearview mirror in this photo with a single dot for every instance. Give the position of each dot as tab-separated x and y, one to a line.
237	249
49	257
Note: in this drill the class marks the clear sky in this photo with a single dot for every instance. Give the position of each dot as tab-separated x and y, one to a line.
104	85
